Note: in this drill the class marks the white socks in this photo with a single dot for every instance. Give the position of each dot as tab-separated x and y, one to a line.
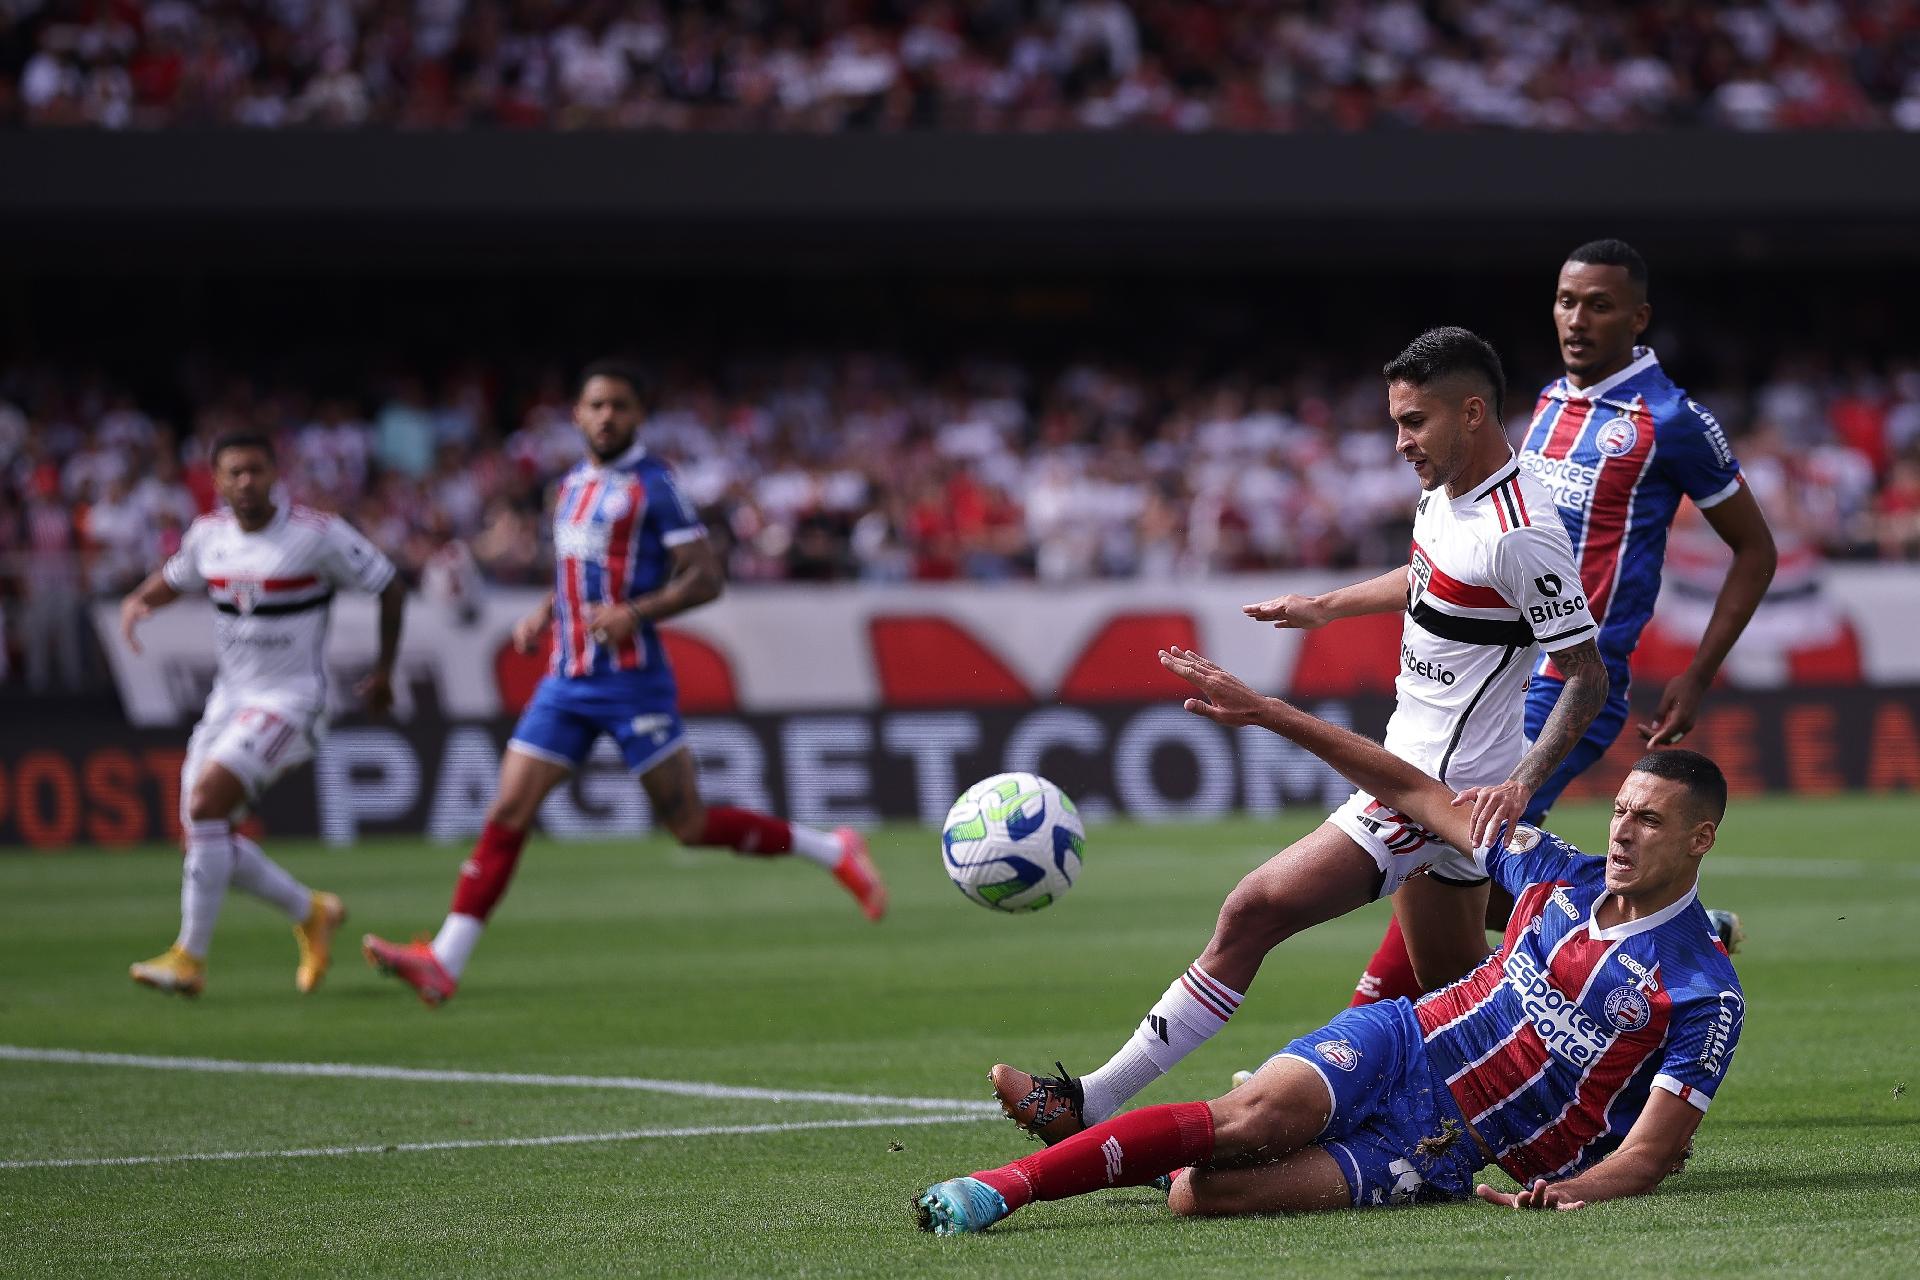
822	847
266	879
203	883
453	945
1186	1017
217	856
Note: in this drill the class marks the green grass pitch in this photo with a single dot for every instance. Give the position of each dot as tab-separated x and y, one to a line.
643	960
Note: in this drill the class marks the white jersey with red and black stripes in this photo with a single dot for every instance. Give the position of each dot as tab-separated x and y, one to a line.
1491	582
1553	1045
272	589
614	527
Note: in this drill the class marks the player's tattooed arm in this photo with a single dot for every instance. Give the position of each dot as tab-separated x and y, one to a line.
1654	1148
1585	693
139	604
1384	594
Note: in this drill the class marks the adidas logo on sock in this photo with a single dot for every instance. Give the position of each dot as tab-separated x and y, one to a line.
1111	1150
1158	1025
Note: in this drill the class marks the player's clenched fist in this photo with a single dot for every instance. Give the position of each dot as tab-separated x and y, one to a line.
1302	613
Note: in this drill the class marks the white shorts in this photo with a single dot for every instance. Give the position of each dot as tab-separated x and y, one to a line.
1400	847
256	744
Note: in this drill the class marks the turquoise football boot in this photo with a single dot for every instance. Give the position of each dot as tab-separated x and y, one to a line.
959	1206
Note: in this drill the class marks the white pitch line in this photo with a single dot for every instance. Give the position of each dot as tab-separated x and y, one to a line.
424	1075
470	1144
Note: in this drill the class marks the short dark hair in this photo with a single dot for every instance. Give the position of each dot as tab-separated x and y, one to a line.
240	440
1699	775
622	370
1446	351
1614	253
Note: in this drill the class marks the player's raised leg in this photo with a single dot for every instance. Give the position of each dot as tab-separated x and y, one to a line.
433	969
1325	874
316	916
673	788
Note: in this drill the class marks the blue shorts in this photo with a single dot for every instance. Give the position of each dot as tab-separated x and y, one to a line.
1542	693
1395	1132
567	715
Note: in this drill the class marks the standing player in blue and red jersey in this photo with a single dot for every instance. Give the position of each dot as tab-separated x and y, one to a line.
1618	445
629	552
1580	1056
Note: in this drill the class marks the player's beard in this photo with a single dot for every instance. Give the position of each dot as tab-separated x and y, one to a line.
619	446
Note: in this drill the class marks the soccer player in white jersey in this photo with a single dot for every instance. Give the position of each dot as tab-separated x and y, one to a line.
1491	584
271	570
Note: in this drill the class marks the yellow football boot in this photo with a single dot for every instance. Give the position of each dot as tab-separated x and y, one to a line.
315	937
178	971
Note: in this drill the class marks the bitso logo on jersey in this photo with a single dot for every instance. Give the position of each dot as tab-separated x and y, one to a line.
1617	436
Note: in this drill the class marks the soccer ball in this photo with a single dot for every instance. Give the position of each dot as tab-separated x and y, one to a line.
1013	842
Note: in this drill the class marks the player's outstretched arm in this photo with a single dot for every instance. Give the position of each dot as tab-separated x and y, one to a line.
1654	1148
1384	594
1226	699
1743	527
139	604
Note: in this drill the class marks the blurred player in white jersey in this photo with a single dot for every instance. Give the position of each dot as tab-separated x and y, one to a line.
271	570
1491	584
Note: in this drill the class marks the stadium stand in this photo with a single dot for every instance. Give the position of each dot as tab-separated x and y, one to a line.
984	65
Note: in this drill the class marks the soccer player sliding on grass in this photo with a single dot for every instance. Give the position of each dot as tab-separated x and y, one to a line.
629	552
1579	1057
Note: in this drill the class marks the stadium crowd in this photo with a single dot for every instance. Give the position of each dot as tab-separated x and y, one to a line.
972	65
851	466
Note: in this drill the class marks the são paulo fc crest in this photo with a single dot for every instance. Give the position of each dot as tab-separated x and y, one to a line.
1617	436
246	594
1628	1009
1338	1053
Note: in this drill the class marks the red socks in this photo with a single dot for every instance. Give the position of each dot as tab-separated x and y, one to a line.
484	875
1129	1150
745	831
1389	974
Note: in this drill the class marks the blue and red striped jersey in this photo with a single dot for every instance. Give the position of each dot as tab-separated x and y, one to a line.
1618	457
613	527
1554	1044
